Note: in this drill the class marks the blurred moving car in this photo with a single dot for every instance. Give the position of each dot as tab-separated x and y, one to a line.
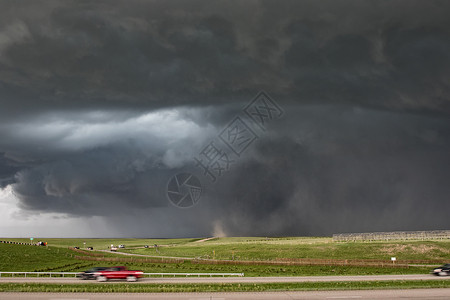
118	273
442	270
121	246
89	274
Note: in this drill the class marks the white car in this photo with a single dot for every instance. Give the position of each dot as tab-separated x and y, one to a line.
442	270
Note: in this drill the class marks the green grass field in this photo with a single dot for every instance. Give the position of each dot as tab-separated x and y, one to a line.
224	287
257	248
292	248
57	256
102	243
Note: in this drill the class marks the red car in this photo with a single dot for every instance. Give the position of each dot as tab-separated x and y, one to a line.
118	273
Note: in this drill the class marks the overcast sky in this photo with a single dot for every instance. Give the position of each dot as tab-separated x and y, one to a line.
102	103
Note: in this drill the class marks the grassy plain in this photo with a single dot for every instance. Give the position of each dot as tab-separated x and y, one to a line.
57	256
260	248
292	248
101	244
224	287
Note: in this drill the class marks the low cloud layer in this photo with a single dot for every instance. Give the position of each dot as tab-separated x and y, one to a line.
101	104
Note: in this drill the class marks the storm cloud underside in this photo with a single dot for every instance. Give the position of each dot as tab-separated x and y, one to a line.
102	103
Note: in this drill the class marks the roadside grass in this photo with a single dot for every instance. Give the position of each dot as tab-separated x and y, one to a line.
224	287
261	270
43	259
262	248
307	248
23	258
57	256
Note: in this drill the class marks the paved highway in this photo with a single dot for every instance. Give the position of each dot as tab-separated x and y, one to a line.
160	280
372	294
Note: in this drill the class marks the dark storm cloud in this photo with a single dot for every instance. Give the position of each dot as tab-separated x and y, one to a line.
153	54
357	170
102	102
75	164
8	169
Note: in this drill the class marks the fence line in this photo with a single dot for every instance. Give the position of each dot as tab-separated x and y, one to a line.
278	262
307	262
195	274
19	243
395	235
73	274
131	259
40	273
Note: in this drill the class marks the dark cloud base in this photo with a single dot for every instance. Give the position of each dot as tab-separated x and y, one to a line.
388	172
102	102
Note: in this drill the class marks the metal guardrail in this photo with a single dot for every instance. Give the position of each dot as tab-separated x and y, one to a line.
74	274
195	274
40	273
